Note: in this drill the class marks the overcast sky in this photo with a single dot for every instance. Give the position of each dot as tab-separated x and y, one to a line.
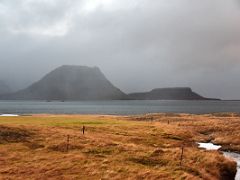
138	44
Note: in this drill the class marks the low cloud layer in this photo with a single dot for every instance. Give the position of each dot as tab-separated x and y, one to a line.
138	44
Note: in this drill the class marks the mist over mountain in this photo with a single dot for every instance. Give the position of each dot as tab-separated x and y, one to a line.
70	83
182	43
4	87
74	83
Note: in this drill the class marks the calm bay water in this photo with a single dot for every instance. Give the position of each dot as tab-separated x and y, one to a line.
118	107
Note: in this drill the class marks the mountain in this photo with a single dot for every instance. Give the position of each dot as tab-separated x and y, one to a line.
74	83
70	83
4	88
178	93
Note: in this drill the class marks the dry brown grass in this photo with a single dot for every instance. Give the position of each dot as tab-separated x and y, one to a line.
116	147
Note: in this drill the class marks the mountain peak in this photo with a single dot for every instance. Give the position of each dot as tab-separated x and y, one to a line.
76	67
73	83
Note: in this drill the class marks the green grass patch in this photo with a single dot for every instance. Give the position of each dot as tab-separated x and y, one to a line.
60	121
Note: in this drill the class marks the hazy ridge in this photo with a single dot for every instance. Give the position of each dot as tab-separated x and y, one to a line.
74	83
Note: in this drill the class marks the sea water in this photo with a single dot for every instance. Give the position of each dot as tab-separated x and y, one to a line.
118	107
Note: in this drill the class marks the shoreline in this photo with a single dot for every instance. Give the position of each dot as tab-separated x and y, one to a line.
220	114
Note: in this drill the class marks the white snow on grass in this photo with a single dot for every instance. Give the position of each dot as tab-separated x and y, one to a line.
209	146
8	115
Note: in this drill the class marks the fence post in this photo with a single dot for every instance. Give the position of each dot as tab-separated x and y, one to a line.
181	158
68	139
83	129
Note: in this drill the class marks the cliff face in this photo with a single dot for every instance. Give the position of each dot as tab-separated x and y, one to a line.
168	94
70	83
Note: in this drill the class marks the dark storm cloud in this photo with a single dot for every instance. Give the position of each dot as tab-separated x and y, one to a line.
138	44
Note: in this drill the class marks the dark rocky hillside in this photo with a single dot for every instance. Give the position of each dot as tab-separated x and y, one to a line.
179	93
70	83
74	83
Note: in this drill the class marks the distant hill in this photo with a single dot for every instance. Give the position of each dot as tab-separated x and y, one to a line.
4	88
70	83
178	93
74	83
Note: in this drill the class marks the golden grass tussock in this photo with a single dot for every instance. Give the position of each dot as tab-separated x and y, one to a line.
117	147
11	134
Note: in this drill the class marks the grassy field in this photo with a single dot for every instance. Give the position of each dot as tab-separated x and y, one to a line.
117	147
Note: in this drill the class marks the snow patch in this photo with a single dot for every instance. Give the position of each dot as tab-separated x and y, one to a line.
209	146
8	115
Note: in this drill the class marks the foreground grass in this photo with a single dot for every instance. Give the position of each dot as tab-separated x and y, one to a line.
116	147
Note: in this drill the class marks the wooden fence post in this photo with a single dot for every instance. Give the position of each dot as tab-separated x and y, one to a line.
68	140
83	130
181	158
